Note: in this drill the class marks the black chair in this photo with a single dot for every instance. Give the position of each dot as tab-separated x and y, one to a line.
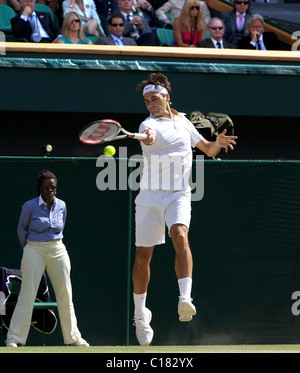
43	319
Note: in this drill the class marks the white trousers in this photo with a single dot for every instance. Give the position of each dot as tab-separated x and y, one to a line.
37	257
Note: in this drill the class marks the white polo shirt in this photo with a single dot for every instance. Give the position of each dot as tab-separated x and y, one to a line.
168	161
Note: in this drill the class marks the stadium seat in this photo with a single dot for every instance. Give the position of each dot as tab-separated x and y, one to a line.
162	24
165	36
43	318
6	14
171	18
92	37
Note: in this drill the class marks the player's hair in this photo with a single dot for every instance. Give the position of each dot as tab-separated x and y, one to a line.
44	175
158	79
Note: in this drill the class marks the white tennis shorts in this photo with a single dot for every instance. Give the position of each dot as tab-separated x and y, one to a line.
157	209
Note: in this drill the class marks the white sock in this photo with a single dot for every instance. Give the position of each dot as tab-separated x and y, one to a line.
185	287
140	304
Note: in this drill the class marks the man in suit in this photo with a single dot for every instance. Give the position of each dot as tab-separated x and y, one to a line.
37	27
116	27
257	38
136	27
216	29
236	21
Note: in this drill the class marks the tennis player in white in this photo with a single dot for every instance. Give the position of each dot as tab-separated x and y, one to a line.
165	196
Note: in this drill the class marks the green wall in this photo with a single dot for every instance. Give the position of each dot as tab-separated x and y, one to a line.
244	237
74	85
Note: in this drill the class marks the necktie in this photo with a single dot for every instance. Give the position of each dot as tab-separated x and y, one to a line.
218	44
258	45
240	22
128	18
119	42
36	35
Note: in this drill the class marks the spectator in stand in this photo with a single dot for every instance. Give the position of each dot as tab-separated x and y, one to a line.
55	6
236	21
86	10
216	30
72	31
116	27
174	7
257	38
36	27
190	26
136	26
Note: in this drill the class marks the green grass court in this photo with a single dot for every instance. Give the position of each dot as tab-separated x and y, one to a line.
293	348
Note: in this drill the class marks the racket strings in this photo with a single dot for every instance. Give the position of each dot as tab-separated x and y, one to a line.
99	131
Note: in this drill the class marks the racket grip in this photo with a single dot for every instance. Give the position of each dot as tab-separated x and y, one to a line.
140	136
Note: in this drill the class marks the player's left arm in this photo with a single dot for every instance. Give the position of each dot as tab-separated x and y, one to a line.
212	148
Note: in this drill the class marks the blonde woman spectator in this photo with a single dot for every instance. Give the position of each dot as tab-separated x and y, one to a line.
174	7
72	31
87	13
190	26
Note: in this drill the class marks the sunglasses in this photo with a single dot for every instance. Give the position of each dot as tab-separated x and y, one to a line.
75	20
242	2
217	28
117	24
194	7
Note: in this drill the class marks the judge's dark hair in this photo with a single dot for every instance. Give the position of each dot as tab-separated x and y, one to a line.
44	175
156	79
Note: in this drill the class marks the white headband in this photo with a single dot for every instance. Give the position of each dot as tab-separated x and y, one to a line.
153	88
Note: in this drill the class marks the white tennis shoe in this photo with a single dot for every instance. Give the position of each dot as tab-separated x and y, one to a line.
186	310
143	331
11	343
80	343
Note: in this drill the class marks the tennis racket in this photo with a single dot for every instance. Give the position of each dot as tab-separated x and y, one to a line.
105	130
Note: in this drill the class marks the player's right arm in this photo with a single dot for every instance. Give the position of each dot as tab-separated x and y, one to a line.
151	137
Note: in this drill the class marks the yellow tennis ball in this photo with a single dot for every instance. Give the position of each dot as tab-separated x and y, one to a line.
110	150
49	148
